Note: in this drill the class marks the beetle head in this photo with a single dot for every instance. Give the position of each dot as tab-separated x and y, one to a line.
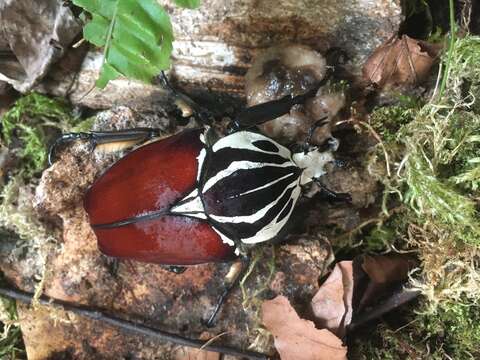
314	159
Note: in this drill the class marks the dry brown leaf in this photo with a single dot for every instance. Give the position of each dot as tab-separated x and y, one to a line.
384	273
296	338
388	268
332	304
186	353
352	286
400	61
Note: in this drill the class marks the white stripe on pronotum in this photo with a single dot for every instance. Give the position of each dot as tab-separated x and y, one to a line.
254	217
262	187
190	205
244	140
271	230
239	165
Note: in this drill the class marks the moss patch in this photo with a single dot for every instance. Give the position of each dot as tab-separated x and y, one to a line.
31	125
11	346
27	129
433	151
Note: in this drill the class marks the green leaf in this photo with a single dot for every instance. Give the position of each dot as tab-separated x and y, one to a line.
106	74
137	37
96	30
191	4
104	8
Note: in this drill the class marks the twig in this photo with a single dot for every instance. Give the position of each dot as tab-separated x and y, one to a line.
399	298
130	326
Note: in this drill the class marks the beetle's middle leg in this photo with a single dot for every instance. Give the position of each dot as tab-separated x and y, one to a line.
177	270
187	105
109	140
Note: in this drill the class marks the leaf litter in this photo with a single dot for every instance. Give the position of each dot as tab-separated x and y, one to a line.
355	285
400	61
296	338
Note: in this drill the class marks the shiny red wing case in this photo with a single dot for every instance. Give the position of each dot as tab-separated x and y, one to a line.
150	179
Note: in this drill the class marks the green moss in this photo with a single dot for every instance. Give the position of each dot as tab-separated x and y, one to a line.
434	157
434	149
457	327
17	213
382	344
387	234
443	146
30	125
252	297
11	346
388	120
84	125
451	332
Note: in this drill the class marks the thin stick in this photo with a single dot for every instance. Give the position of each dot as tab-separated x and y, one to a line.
130	326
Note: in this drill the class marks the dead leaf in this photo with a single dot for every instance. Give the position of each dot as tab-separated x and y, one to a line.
30	44
187	353
384	272
296	338
388	268
332	304
400	61
355	285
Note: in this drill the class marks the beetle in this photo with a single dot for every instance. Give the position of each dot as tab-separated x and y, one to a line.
195	197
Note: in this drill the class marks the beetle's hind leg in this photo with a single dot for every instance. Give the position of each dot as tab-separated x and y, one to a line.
233	279
109	140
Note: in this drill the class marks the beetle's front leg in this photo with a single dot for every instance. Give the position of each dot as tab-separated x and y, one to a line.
261	113
109	140
332	194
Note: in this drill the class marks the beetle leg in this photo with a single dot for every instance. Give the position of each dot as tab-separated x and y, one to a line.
116	140
187	105
332	194
318	124
175	269
231	285
258	114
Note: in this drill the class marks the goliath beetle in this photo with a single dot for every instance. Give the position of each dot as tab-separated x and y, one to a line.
195	198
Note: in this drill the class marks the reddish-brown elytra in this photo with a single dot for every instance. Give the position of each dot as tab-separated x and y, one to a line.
149	181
